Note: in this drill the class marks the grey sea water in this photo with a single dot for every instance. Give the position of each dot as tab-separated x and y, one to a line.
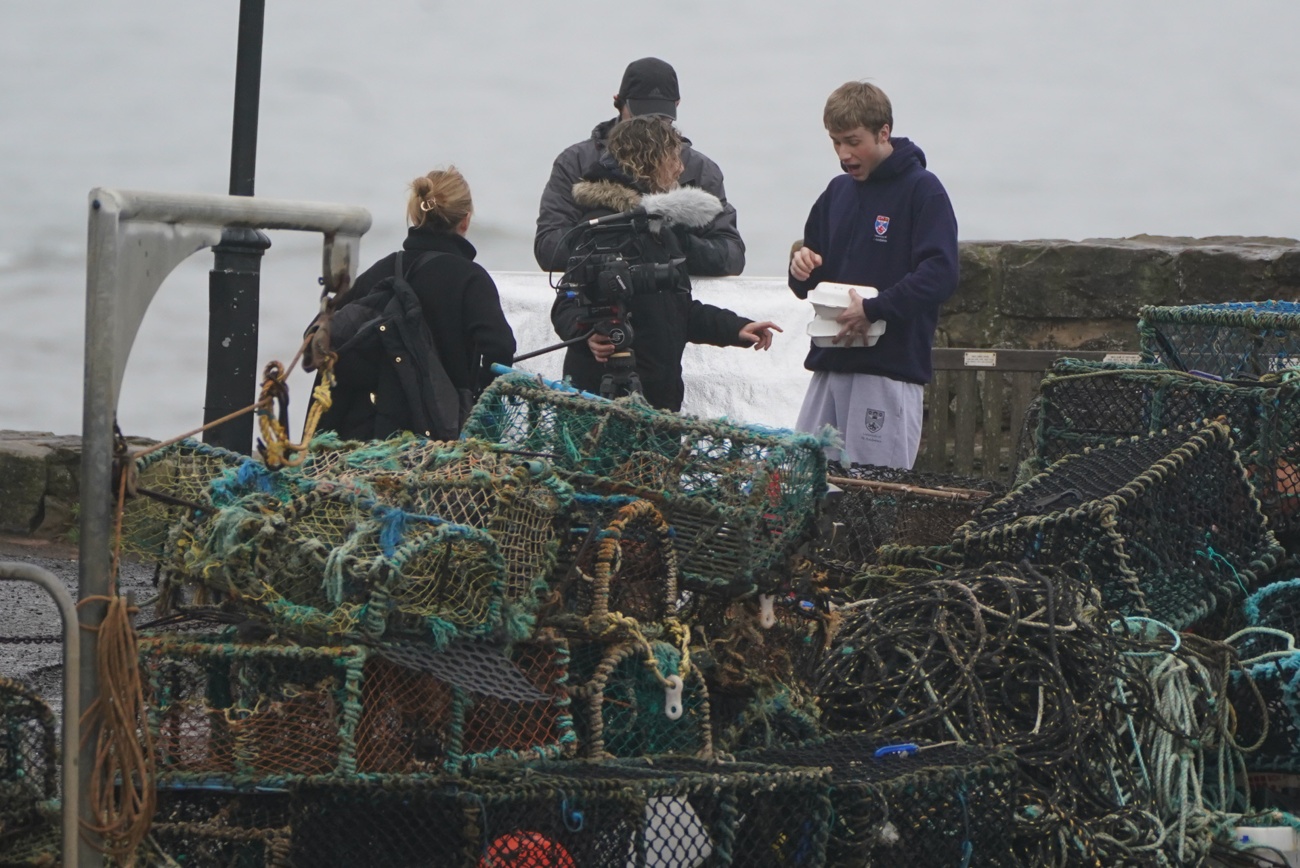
1075	120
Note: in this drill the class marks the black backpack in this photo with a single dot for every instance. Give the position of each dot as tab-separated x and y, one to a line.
389	376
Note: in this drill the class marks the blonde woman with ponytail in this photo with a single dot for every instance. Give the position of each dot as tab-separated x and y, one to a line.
459	305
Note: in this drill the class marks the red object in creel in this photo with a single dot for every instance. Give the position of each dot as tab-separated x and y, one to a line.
526	850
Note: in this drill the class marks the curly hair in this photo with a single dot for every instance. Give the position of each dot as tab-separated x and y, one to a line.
439	199
642	145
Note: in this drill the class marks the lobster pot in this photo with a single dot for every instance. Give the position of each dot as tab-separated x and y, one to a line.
209	827
758	657
740	499
619	563
29	817
625	706
939	805
1092	403
334	564
1278	682
184	473
1236	339
672	814
909	508
1275	606
1167	524
267	714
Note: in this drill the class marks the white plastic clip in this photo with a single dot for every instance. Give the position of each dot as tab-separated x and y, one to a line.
673	697
766	616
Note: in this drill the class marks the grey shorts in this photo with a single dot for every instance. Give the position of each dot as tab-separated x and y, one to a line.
878	418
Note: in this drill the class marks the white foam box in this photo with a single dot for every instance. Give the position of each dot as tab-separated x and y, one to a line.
829	300
1280	838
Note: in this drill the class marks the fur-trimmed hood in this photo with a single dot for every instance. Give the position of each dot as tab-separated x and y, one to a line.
607	194
684	206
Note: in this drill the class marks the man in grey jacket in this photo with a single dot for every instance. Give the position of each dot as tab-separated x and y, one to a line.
649	87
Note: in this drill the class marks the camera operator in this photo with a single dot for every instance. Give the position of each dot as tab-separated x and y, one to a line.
631	268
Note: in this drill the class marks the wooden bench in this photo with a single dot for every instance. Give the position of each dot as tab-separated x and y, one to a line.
976	404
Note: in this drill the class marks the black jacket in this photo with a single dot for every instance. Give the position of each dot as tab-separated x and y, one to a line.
463	312
663	321
715	253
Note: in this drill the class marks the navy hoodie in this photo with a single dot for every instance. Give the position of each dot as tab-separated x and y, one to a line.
895	231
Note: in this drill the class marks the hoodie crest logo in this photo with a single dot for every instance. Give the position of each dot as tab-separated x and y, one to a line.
875	420
882	226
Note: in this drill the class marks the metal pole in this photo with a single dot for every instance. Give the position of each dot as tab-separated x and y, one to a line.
234	284
72	842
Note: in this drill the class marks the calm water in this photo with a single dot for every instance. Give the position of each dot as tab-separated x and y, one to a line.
1070	120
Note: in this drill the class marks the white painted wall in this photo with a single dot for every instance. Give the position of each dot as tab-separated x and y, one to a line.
764	388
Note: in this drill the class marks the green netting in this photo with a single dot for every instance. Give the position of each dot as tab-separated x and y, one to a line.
623	704
1168	524
672	814
1230	340
393	538
939	805
29	817
1091	404
183	474
740	499
266	714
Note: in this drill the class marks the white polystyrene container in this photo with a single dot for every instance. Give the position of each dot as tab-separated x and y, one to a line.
1280	838
829	300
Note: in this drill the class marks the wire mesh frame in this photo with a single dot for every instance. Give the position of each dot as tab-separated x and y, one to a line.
1229	340
740	499
1141	538
268	715
1091	403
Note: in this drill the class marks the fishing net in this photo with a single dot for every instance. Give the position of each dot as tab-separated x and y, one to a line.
638	698
1168	524
669	814
740	499
29	783
1236	339
936	805
400	538
1091	404
618	572
885	505
266	714
757	657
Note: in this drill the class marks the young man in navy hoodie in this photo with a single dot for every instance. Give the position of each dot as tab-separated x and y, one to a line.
886	223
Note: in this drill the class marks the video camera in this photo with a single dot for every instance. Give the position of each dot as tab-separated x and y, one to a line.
604	284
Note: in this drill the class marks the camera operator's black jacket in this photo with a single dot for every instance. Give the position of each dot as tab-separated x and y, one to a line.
663	321
462	309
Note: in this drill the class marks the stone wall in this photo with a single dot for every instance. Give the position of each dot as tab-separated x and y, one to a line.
1087	294
1029	294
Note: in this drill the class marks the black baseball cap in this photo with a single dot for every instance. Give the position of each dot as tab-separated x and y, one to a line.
650	88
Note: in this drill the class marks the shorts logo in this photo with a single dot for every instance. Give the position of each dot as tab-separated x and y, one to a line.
882	227
875	420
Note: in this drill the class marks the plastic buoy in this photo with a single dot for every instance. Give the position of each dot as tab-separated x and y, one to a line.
521	849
